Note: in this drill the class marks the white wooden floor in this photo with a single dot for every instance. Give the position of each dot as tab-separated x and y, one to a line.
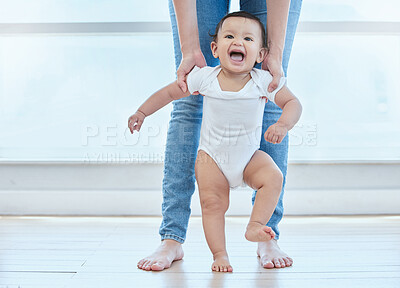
103	251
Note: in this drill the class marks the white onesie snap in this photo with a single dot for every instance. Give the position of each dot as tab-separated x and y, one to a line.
232	121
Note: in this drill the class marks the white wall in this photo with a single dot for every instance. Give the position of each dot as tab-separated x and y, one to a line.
51	188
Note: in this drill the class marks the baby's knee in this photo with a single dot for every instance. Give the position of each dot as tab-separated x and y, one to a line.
273	180
277	179
278	175
214	204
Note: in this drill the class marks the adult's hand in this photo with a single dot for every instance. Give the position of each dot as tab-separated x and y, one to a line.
188	62
273	63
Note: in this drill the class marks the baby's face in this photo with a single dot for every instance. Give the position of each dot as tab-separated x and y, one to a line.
239	45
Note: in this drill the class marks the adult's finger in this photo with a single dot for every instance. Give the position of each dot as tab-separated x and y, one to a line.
181	79
274	83
273	64
187	64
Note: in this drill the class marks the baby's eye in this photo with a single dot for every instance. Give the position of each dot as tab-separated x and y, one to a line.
248	39
229	36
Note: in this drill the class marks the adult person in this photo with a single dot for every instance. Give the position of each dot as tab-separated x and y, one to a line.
192	21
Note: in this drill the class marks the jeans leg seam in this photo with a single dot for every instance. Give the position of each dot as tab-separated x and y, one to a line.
173	237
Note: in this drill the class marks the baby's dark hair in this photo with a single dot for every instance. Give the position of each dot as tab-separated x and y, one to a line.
242	14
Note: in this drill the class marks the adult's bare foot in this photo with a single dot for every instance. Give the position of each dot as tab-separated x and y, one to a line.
168	252
272	256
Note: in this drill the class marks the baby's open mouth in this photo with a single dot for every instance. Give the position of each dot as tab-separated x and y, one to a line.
237	56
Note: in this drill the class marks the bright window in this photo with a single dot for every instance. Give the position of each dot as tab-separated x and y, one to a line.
72	11
67	96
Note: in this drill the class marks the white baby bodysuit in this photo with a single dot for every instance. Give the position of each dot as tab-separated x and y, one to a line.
232	121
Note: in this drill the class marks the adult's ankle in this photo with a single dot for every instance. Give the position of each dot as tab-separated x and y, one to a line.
171	242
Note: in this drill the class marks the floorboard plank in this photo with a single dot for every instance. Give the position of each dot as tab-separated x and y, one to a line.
85	252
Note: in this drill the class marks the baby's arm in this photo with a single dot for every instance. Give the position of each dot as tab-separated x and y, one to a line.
155	102
291	111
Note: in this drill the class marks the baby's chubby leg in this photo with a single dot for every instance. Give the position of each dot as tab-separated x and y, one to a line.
214	199
263	175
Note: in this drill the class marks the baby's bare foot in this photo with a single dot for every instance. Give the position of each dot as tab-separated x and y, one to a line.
256	232
221	263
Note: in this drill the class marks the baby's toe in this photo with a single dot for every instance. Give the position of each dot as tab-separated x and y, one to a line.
269	231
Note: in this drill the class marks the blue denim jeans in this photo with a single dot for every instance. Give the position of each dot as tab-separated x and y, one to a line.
184	126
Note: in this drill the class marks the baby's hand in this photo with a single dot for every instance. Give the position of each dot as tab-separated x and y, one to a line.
136	121
276	133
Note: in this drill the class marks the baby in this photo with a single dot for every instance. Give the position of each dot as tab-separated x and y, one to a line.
228	157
